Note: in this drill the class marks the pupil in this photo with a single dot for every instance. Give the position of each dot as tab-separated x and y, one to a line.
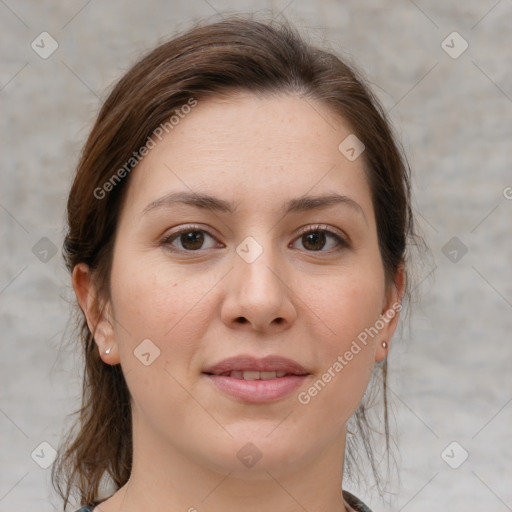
315	238
192	240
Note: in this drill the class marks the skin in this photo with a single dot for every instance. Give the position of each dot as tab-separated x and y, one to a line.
257	153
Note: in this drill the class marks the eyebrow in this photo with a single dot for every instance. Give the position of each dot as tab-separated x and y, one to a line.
206	201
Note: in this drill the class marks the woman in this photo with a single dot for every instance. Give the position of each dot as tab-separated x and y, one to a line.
237	239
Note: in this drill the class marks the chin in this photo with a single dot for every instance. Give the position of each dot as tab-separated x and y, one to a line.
253	457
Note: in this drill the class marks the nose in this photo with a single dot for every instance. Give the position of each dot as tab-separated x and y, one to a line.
259	296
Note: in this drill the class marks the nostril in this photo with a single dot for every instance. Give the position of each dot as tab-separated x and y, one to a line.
241	320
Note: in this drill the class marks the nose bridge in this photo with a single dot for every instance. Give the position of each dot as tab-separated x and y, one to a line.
258	293
257	264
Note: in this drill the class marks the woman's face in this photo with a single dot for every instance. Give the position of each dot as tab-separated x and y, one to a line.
245	280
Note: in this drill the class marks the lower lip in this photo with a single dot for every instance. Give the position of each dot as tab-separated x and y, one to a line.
257	390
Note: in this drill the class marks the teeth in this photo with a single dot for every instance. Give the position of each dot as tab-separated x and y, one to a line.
257	375
267	375
252	375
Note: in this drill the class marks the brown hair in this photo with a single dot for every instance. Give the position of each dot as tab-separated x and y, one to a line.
237	53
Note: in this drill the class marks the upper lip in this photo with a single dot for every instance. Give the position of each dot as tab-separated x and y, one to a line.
249	363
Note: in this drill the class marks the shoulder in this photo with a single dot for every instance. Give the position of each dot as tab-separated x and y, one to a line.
355	503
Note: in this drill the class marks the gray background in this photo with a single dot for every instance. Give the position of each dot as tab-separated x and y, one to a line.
451	378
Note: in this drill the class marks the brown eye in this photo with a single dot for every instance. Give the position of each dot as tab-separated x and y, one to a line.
188	240
192	240
316	239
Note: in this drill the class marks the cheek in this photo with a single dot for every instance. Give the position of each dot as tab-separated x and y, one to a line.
164	307
349	304
160	316
348	307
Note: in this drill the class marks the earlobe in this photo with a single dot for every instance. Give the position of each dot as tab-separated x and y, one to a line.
382	351
390	314
98	316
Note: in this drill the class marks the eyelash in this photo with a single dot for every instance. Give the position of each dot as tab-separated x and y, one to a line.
318	228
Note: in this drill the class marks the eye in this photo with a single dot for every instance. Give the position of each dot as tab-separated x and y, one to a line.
189	239
313	238
316	238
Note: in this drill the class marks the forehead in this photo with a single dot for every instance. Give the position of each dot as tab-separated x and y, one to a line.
251	149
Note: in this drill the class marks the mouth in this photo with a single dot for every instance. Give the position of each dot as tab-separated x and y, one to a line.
253	375
253	380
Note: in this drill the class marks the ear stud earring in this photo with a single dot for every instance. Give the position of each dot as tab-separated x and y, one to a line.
108	350
384	344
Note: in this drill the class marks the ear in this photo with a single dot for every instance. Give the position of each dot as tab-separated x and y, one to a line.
99	316
392	305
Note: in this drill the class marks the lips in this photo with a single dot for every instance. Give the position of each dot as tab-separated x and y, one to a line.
248	367
253	375
249	379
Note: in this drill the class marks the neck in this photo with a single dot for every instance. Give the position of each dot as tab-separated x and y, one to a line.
169	479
